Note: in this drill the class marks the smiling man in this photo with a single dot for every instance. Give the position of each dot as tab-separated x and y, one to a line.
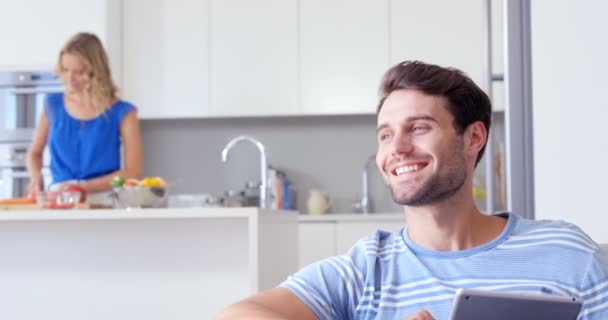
432	128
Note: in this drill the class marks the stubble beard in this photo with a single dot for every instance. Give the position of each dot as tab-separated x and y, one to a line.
438	187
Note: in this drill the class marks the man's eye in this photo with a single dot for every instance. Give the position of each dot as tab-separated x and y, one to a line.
384	136
420	129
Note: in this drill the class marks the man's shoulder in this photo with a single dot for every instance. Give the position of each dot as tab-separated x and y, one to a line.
380	244
531	233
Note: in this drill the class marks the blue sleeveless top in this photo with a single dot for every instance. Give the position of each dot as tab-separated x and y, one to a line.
83	149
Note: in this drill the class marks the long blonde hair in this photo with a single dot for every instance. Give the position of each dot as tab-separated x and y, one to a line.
101	91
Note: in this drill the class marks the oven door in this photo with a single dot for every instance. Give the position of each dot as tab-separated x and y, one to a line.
21	101
14	181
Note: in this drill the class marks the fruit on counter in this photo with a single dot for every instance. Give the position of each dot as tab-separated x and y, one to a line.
131	183
149	182
75	188
154	182
117	182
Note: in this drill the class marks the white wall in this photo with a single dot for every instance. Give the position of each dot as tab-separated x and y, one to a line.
570	69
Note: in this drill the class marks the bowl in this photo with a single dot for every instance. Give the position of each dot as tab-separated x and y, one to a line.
138	197
58	199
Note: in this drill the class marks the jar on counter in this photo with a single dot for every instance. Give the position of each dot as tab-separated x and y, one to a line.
233	198
251	194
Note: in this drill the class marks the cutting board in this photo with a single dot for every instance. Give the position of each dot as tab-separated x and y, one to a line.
33	206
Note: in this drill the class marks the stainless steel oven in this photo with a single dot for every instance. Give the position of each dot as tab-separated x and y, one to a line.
14	177
21	101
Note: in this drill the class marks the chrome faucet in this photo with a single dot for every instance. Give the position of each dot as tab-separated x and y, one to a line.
365	204
263	164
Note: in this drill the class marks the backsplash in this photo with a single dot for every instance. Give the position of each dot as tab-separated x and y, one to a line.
325	153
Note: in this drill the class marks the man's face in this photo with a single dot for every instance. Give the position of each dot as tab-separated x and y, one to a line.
420	154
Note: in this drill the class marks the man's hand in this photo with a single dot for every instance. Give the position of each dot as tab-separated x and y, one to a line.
420	315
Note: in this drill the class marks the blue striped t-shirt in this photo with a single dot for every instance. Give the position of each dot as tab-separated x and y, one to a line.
387	276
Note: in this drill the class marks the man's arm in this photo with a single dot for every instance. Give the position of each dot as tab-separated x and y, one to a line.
273	304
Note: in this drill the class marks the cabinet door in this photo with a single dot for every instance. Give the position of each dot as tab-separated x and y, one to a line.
33	31
349	232
443	32
166	57
343	52
253	57
316	241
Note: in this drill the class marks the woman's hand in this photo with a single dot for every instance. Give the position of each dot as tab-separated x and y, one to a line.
35	184
420	315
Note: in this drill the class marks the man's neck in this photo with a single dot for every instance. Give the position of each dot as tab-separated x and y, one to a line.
454	224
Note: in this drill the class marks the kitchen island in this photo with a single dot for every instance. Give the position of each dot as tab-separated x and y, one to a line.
140	264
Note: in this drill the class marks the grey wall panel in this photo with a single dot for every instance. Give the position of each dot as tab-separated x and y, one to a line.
315	152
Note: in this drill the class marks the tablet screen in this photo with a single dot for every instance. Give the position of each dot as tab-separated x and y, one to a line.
482	305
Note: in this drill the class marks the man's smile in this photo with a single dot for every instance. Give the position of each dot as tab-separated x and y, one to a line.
408	168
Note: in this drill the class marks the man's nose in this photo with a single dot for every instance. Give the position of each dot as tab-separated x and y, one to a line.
402	144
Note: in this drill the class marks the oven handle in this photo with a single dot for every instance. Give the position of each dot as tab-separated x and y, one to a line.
16	174
18	91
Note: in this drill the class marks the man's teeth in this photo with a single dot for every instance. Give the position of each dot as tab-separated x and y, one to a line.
406	169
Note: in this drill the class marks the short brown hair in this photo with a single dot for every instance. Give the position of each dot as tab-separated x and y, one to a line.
466	101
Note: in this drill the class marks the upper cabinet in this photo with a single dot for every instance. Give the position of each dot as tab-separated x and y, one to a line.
166	53
344	51
235	58
443	32
34	31
253	62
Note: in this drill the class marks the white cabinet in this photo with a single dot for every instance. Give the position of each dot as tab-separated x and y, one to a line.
321	237
231	58
151	264
344	51
317	240
443	32
33	31
166	70
253	62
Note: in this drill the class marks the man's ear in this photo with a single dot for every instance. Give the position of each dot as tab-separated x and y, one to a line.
475	137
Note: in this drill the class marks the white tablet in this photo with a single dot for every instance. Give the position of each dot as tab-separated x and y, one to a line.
472	304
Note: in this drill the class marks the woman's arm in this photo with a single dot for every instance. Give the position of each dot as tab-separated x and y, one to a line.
132	154
34	156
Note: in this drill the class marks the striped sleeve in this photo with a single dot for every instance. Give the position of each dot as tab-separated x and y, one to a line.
595	288
331	287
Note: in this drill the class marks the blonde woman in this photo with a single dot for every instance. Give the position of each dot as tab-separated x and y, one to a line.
85	126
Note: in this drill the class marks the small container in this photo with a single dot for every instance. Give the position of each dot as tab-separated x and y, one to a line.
192	201
233	199
251	194
318	202
58	199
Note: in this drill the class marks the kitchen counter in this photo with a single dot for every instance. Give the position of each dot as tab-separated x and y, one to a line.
140	264
138	214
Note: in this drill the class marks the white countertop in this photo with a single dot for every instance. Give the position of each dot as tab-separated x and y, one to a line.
113	214
185	213
395	216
